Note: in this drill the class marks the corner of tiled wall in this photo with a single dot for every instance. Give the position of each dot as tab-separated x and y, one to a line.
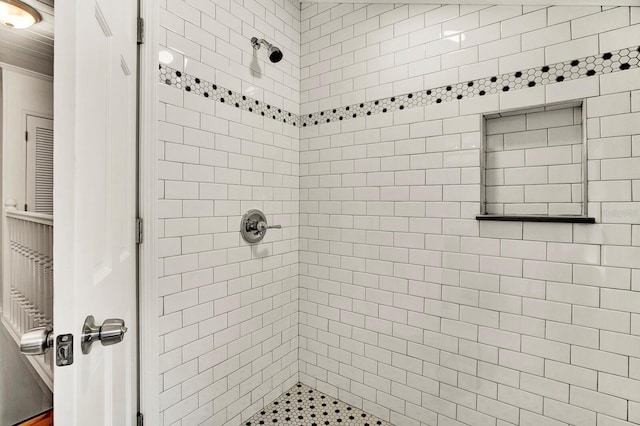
229	310
382	288
411	308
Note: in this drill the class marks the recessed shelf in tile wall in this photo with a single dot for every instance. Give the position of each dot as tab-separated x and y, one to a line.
585	67
535	161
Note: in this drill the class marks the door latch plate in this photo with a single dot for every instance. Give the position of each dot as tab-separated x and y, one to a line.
64	350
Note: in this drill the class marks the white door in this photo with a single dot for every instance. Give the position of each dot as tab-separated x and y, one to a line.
95	206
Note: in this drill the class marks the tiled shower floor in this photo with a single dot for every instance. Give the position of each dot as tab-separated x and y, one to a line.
305	406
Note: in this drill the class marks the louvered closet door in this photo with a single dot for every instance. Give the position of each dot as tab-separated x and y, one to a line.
39	165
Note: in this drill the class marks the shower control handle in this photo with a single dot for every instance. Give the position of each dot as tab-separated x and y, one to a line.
262	226
253	226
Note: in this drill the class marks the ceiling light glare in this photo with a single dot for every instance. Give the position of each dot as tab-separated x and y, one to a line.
18	15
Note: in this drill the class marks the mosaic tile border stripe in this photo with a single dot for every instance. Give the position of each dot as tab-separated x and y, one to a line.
588	66
217	93
305	406
548	74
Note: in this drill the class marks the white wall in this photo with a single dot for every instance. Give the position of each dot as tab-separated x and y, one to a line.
409	306
228	321
398	300
23	93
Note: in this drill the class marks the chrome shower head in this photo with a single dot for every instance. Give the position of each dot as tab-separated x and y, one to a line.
275	54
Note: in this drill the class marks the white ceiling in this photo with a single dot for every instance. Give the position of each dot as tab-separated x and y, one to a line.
31	48
495	2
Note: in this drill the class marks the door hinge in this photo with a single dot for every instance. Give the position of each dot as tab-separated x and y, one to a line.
140	419
26	136
139	230
140	31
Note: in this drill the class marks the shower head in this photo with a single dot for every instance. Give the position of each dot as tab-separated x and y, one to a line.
275	54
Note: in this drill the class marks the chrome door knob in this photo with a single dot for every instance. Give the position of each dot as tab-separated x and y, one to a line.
112	331
36	341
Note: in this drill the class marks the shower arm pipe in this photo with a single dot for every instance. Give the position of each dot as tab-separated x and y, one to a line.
256	42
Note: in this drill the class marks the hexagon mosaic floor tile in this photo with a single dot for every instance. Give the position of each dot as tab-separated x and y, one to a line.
305	406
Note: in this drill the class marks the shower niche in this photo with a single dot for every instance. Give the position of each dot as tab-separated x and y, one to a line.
534	164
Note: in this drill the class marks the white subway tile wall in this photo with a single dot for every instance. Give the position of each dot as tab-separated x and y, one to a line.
534	161
229	311
409	307
382	289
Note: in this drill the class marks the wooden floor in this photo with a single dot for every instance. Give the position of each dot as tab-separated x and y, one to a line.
45	419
